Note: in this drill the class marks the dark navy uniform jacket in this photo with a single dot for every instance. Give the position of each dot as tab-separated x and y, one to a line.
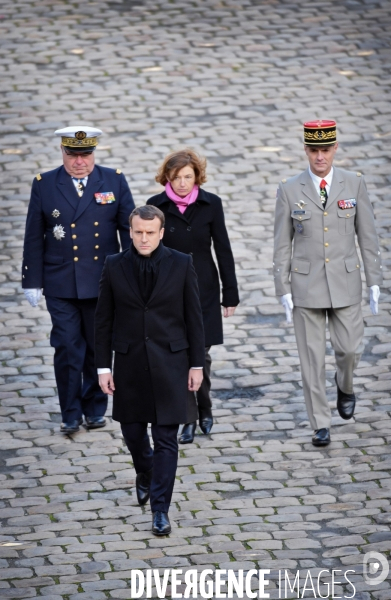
70	267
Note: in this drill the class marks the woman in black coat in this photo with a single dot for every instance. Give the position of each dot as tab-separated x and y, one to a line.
195	220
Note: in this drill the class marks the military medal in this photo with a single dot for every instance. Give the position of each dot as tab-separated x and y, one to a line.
56	213
58	232
344	204
301	204
104	198
299	228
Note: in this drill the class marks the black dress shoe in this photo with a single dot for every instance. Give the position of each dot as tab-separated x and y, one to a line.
321	437
346	403
143	485
187	433
71	426
205	419
95	422
160	523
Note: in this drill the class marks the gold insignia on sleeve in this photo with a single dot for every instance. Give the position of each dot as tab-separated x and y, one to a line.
358	174
39	177
118	171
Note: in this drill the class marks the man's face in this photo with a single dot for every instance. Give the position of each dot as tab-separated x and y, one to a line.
146	234
78	165
321	158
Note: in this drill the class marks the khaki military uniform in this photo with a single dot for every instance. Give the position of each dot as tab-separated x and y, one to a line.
316	260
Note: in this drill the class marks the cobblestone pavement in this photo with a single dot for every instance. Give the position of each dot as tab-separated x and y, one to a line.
234	79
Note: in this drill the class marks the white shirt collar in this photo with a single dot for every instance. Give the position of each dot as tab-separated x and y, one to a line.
328	179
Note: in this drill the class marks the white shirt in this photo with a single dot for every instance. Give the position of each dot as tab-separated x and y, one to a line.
328	179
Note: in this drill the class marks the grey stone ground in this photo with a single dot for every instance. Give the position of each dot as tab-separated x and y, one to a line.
234	79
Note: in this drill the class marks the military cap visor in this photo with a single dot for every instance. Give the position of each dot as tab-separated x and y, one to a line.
320	133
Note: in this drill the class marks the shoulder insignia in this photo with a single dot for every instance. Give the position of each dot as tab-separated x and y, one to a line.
358	174
283	180
39	177
118	171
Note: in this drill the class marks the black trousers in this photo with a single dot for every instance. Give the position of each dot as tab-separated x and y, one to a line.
163	459
203	394
72	337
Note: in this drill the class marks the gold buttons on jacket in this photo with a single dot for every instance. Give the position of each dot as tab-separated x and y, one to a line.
75	259
358	266
95	257
74	236
75	247
327	260
326	244
348	215
96	223
96	247
97	235
325	213
296	269
326	229
73	225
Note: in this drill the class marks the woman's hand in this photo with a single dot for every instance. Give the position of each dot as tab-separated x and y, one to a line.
229	311
106	383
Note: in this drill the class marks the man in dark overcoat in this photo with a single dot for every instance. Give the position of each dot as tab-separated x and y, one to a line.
74	217
149	313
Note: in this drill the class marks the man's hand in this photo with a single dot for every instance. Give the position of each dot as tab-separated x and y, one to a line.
287	303
195	379
33	296
374	294
106	383
228	311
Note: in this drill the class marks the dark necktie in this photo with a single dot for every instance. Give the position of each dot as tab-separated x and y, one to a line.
80	187
323	192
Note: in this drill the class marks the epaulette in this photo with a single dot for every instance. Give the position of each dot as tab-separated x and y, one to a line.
358	174
118	171
283	180
39	177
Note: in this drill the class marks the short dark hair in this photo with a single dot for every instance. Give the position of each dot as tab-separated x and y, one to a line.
147	213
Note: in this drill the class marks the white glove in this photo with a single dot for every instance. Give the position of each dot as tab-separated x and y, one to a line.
374	293
33	296
287	303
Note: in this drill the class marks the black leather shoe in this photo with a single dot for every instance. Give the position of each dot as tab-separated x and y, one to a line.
321	437
205	419
346	403
187	433
160	523
71	426
95	422
143	485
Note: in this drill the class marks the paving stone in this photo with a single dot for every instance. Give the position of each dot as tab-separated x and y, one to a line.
255	493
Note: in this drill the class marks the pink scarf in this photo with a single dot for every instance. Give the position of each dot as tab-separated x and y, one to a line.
182	203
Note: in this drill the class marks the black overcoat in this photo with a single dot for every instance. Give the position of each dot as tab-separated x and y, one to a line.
193	233
70	266
155	343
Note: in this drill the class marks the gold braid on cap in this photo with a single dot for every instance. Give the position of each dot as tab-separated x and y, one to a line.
75	143
320	135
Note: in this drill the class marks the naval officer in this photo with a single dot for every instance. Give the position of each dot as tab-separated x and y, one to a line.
319	214
76	217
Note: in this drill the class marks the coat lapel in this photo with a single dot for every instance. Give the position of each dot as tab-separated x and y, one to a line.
65	185
308	189
94	184
127	267
165	266
337	185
